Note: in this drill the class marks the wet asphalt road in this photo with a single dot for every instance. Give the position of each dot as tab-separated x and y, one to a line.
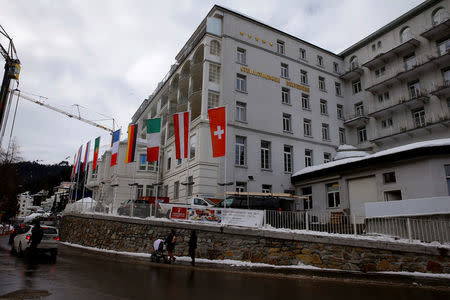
76	275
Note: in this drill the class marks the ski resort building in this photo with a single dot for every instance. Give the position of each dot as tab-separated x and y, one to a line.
290	104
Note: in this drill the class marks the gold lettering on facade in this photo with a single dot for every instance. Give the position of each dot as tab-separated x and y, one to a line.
297	86
259	74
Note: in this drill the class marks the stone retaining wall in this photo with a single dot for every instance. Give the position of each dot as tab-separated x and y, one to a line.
263	246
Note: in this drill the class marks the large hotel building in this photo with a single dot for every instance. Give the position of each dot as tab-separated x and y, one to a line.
290	104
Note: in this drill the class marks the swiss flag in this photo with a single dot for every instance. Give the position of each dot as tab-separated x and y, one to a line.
218	127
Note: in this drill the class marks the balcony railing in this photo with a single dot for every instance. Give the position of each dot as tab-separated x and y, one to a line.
411	101
442	89
354	71
438	29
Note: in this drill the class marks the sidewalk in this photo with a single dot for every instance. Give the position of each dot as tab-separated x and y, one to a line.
423	280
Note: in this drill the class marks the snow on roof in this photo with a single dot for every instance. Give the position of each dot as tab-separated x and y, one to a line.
424	144
347	154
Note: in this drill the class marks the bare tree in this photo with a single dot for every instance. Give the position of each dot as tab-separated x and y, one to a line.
12	154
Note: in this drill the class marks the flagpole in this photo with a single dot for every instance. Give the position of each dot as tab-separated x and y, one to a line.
157	178
78	178
189	158
225	157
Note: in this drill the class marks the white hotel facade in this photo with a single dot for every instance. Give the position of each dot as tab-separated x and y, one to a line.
290	104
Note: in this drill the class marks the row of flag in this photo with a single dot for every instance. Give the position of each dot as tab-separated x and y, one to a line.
217	118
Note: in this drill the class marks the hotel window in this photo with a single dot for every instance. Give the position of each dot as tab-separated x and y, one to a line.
374	47
303	77
190	185
287	159
307	127
443	47
265	155
169	160
393	195
308	157
213	99
193	142
337	86
287	123
307	202
354	63
305	102
409	61
446	76
241	111
140	191
383	97
325	132
333	195
439	15
240	158
302	54
414	89
266	188
241	56
148	190
362	134
176	189
152	166
379	44
447	175
241	83
179	161
284	70
326	157
336	67
241	187
322	84
214	48
356	86
280	47
380	71
389	177
405	34
387	123
419	117
340	111
359	109
319	60
214	73
323	107
285	97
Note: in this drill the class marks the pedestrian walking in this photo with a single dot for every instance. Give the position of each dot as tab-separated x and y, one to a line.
170	242
192	246
36	237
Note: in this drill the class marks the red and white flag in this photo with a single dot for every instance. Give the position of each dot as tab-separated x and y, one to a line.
181	127
218	127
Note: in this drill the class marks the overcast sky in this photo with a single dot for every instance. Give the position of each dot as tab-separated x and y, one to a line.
108	56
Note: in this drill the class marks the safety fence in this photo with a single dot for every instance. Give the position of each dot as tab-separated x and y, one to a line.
411	229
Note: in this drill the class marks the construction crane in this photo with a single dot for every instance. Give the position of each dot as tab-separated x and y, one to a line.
70	115
12	71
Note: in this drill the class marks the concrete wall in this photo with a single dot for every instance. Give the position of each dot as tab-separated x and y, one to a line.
255	245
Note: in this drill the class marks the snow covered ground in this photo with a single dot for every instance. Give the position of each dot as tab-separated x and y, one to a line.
247	264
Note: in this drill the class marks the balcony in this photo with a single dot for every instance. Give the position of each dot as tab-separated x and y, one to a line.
410	70
403	48
416	99
425	126
442	90
355	71
437	31
356	120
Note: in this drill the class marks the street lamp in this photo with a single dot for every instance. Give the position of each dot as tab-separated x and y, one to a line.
250	178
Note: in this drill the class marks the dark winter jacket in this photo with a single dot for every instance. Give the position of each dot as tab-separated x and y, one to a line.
36	234
170	242
193	242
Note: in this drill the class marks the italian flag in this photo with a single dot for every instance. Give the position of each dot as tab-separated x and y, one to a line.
153	139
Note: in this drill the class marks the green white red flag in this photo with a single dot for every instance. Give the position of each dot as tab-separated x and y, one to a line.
96	149
153	139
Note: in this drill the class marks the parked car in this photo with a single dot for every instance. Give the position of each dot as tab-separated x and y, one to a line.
49	242
141	208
